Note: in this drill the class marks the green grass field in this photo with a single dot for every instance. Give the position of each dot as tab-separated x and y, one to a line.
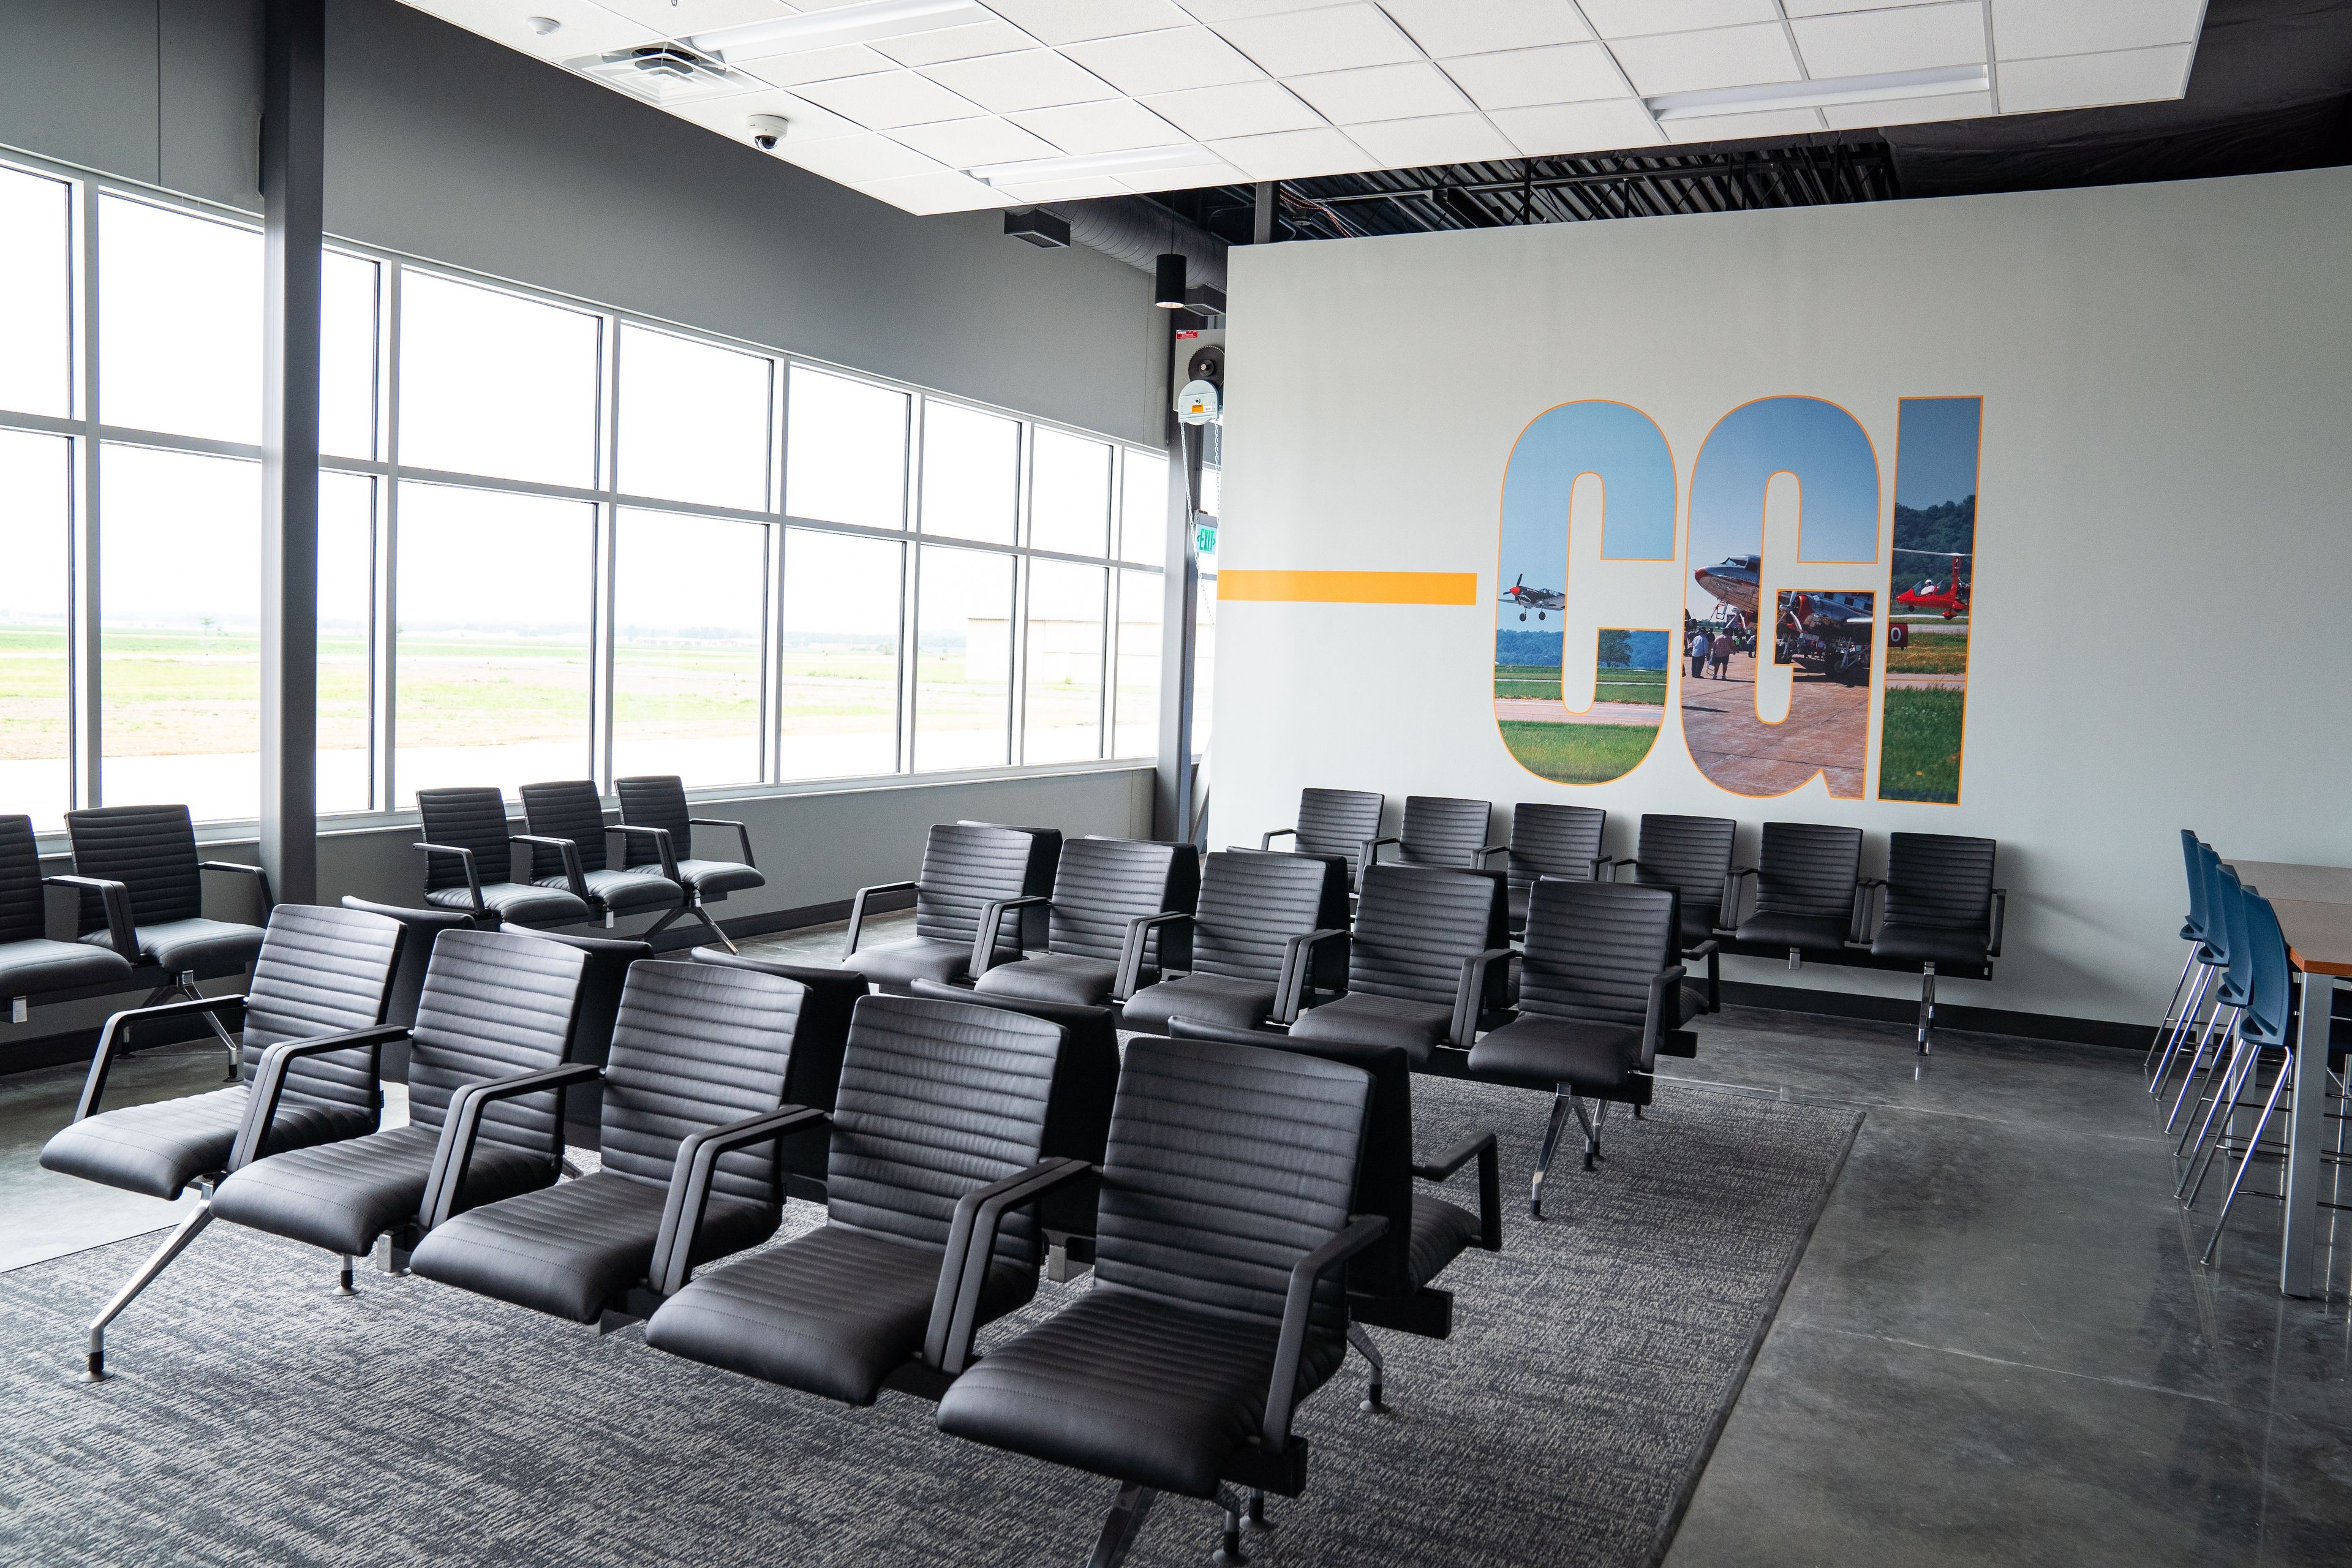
1579	753
1613	685
1930	653
1920	747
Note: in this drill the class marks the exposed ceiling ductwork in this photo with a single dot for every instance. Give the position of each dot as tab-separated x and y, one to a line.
1140	232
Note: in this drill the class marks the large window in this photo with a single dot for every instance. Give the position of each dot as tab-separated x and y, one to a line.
971	474
37	284
694	421
1069	503
35	691
689	609
179	340
845	451
837	685
1062	687
1135	691
494	384
346	649
963	660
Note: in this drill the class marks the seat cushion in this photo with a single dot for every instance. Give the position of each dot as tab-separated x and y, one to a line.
37	964
210	948
158	1149
1963	946
1052	977
624	891
1816	933
571	1249
916	958
832	1312
342	1196
1210	998
1442	1232
1136	1388
518	903
1594	1057
717	878
1365	1019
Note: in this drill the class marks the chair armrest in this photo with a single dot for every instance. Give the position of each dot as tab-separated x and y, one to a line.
1728	917
2000	917
270	1081
857	910
1371	851
741	832
575	874
1130	953
1664	987
1478	858
690	1177
1282	1391
1297	957
1266	840
465	857
121	931
118	1027
1467	991
1482	1146
1868	910
972	1240
992	921
268	900
464	1123
661	836
1628	863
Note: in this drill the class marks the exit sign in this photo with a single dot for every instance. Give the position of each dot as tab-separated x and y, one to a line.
1204	539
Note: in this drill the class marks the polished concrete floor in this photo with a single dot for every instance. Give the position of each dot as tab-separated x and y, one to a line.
1997	1348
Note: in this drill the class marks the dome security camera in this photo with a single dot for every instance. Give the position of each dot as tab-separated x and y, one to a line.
767	130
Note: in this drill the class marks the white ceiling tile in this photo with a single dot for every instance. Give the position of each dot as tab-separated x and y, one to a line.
2086	81
1227	10
1564	73
1739	127
1294	155
1192	177
1114	125
1036	79
955	44
585	29
685	17
1339	37
1824	7
1381	92
925	195
1069	21
888	99
1246	109
2026	29
854	158
1578	127
1085	188
1629	18
730	116
816	65
1169	62
1873	43
1452	27
1695	62
1908	112
973	143
1441	138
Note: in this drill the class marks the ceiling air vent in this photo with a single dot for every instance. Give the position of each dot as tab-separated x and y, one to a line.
664	73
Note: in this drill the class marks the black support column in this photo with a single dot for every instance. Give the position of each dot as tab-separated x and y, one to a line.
293	167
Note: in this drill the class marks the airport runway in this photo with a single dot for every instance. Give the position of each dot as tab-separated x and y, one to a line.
1545	711
1826	730
1928	682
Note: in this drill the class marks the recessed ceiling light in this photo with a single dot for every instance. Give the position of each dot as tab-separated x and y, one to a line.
1820	93
862	24
1031	171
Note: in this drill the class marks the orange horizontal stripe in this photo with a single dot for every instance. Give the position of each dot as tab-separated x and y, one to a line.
1350	587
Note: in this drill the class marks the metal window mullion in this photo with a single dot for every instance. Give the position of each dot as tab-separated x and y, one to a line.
780	393
386	672
604	633
1016	638
87	776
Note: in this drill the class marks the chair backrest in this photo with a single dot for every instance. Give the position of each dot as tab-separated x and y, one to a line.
322	972
1251	904
2217	923
1415	925
465	818
1102	884
828	998
1337	822
1045	854
937	1099
151	849
1226	1166
1941	879
655	800
424	928
23	911
967	866
566	809
495	1004
2271	984
1808	868
1592	948
1443	830
697	1046
1690	854
2189	858
1549	839
2228	901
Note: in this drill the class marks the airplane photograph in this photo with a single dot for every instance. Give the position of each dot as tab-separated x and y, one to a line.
1540	600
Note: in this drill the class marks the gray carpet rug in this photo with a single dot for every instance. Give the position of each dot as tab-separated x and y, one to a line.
257	1419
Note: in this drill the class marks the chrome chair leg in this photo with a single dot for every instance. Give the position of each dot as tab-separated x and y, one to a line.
2171	1011
2217	1122
157	1262
2197	1055
713	927
1126	1516
1361	1340
2211	1067
2182	1029
187	987
1561	1102
1926	1006
2246	1160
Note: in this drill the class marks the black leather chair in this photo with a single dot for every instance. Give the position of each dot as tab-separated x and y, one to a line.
1549	839
1809	891
567	829
1443	830
1691	855
1341	822
1263	923
696	1049
151	851
1599	990
32	967
942	1109
813	1076
657	828
1100	942
497	1005
1220	1298
468	853
1942	911
1429	946
1037	881
968	867
424	928
322	976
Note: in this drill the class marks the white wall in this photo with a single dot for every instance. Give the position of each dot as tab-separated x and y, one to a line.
2166	373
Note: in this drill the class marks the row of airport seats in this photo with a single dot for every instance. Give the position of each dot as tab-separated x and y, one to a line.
946	1131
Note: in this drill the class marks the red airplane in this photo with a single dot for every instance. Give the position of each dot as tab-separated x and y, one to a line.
1948	598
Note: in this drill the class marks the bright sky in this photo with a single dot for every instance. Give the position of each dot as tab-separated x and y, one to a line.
1936	457
1611	440
1835	466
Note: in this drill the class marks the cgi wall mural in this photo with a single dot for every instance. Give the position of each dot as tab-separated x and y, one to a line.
1774	648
